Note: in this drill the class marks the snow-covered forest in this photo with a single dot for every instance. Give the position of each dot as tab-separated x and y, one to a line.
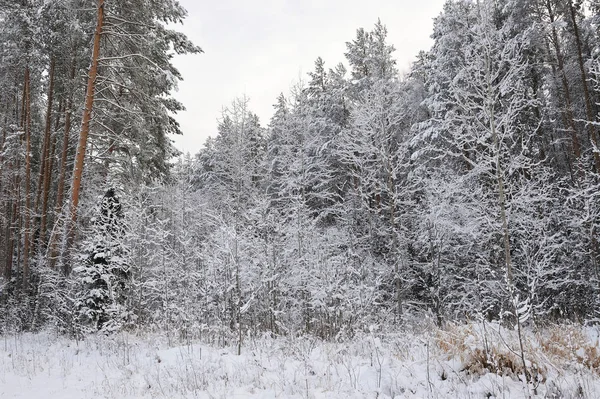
464	192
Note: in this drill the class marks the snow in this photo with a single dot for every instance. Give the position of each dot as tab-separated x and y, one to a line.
405	365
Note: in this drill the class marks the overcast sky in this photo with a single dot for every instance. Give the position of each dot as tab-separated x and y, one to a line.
261	48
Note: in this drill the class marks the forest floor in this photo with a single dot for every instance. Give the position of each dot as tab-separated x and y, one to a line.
466	361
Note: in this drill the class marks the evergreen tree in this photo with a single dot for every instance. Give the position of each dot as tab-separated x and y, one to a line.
104	274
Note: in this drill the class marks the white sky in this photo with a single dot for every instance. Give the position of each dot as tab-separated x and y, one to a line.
261	48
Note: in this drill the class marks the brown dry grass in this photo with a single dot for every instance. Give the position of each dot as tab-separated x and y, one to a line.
560	346
469	345
453	339
494	361
567	344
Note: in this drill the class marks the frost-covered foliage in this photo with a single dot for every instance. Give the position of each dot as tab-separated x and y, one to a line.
454	191
465	190
45	51
461	361
104	272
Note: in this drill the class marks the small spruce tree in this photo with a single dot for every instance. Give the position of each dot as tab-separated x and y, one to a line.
104	273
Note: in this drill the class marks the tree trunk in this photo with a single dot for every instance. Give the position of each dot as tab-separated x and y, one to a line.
27	210
48	179
490	104
85	124
63	169
565	83
3	201
589	109
10	231
46	145
2	141
12	205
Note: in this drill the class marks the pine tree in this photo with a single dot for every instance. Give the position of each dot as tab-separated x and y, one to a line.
104	274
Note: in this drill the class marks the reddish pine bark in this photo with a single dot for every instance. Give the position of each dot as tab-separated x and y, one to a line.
87	116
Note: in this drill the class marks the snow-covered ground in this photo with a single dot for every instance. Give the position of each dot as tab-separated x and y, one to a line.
429	363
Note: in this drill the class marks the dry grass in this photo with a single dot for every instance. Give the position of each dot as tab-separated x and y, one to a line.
482	352
493	350
568	344
453	340
493	361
